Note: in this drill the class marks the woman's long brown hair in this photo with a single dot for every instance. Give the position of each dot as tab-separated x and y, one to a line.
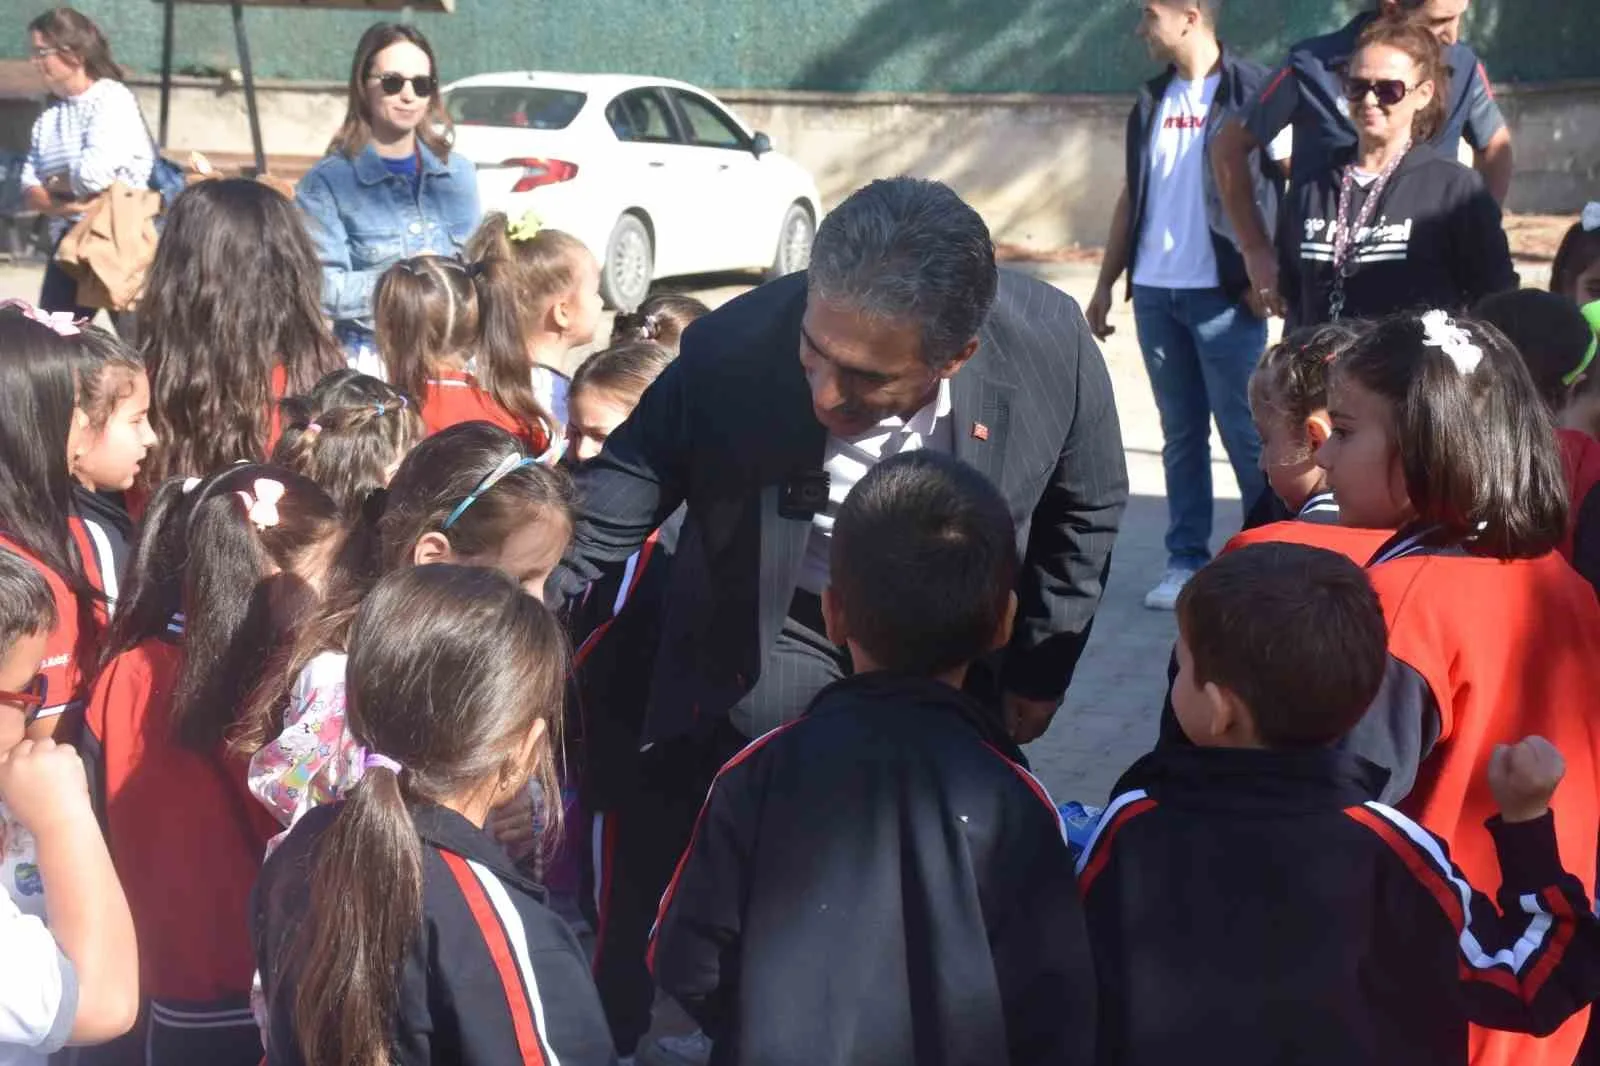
355	133
457	719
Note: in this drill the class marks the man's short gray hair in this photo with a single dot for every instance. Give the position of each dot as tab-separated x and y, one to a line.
912	250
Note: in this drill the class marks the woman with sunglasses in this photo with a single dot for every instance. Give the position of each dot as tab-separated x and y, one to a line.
1393	224
90	135
389	187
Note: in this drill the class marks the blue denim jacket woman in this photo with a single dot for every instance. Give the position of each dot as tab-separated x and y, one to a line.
390	187
364	218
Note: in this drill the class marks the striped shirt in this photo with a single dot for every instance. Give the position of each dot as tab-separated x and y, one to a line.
95	138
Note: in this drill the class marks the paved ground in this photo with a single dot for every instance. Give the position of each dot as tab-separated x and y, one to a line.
1110	715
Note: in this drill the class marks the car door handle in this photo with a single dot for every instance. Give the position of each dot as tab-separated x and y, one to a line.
657	163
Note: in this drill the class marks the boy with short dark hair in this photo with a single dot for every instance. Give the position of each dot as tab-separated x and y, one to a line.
881	881
1247	896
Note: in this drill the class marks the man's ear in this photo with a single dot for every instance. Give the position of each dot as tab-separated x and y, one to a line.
833	619
965	356
1318	428
1002	633
432	547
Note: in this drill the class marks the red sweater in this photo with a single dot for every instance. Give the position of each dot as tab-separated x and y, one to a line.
1507	649
1580	457
185	834
1357	545
454	397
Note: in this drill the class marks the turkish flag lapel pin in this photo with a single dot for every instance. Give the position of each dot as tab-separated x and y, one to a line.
980	431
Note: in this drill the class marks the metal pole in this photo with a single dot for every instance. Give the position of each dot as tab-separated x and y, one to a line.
166	66
243	43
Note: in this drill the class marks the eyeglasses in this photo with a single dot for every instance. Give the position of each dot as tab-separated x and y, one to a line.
1389	91
30	699
391	84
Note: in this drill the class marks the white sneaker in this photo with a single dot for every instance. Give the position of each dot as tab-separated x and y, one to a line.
693	1049
1164	597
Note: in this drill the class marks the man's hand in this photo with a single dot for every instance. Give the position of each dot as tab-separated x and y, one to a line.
1524	776
1098	311
44	785
1262	266
1027	719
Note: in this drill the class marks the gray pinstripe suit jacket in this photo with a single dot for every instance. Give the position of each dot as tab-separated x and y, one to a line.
728	423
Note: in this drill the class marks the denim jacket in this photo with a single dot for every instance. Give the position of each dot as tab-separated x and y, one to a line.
363	220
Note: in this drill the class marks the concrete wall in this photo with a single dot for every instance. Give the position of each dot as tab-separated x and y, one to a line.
1044	170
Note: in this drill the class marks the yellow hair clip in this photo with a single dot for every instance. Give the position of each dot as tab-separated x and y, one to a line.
525	228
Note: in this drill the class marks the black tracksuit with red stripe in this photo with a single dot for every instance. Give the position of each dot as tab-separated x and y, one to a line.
880	882
1255	907
493	976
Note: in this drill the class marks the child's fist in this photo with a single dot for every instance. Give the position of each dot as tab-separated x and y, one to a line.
43	782
1523	777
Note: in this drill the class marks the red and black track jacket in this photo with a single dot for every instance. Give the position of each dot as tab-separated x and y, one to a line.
878	882
1256	907
493	976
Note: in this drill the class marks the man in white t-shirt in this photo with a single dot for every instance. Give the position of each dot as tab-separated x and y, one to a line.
1200	326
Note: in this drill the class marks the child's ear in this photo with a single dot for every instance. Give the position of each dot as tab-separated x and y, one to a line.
1228	714
432	547
561	313
1319	427
1002	633
833	618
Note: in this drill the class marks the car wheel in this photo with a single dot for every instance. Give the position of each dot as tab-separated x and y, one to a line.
795	238
630	261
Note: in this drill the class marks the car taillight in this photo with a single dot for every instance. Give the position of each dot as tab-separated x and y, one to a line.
537	172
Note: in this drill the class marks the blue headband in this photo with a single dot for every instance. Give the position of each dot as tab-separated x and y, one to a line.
512	461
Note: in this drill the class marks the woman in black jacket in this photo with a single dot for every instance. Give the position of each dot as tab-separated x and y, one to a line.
1395	224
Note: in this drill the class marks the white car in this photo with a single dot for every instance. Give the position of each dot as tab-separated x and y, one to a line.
655	176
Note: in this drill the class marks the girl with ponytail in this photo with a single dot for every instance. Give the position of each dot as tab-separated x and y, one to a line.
449	337
348	435
222	573
390	928
553	281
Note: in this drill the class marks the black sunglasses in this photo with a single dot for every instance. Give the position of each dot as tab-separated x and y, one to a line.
1389	91
423	84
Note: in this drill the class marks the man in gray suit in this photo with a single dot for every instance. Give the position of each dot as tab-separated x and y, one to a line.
902	335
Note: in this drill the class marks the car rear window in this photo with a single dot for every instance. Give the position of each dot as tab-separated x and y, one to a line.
520	107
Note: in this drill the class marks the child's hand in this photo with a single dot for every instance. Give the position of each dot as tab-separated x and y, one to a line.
43	783
1524	776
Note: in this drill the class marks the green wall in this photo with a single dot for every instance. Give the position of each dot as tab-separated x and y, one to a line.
871	45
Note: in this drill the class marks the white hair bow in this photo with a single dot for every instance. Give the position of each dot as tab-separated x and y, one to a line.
261	506
1591	216
1440	331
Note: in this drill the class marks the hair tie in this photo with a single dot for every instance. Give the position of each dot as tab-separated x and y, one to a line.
313	428
374	761
1590	219
190	484
652	326
380	409
403	403
476	268
61	323
1440	331
525	228
261	506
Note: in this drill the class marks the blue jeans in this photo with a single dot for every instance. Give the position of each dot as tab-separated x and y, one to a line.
1200	349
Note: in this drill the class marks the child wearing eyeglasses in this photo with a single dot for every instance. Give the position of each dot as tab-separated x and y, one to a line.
469	495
